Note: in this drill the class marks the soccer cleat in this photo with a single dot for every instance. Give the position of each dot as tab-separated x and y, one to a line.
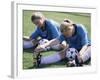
37	60
78	61
71	63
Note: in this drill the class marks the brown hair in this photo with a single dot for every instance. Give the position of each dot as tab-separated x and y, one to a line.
36	15
68	21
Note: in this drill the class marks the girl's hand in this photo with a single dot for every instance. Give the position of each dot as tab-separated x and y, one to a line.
40	48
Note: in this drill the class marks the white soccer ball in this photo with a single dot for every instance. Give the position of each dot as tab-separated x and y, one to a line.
71	53
43	41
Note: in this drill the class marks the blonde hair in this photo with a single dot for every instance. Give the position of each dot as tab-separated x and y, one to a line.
65	24
36	15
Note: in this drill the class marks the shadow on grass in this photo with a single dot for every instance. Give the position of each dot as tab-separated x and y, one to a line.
31	50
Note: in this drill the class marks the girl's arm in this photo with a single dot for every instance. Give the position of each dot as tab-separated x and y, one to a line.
50	43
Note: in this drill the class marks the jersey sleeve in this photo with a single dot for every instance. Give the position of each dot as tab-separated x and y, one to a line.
61	38
84	35
35	34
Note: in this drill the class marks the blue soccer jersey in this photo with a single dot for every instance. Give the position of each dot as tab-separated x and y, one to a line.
79	39
51	31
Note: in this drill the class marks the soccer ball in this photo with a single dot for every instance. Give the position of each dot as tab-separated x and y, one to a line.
43	41
71	53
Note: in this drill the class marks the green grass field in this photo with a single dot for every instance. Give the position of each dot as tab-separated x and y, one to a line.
28	28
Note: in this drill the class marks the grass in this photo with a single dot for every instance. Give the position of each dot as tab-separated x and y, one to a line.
29	27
